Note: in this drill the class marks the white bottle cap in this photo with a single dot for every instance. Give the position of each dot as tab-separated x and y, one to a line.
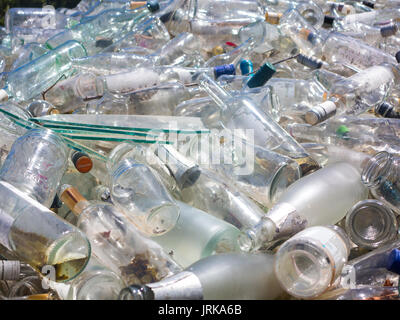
3	95
321	112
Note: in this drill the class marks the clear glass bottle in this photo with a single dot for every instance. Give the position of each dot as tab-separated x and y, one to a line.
112	24
42	72
150	34
36	235
96	282
371	224
309	202
209	191
42	18
138	191
240	112
145	77
117	243
309	262
309	10
356	94
36	164
110	62
197	235
223	276
183	50
260	174
370	268
381	174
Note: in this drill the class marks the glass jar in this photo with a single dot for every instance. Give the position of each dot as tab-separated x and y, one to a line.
36	164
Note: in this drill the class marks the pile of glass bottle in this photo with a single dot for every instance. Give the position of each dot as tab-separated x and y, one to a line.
200	149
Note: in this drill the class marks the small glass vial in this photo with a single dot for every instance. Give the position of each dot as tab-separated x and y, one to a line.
370	224
381	175
36	164
308	263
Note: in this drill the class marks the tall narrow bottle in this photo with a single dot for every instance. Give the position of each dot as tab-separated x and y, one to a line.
240	112
41	73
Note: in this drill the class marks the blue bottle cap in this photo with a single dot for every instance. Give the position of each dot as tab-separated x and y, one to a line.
246	66
224	69
262	75
153	5
393	262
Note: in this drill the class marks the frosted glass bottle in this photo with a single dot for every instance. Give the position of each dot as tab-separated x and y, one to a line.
321	198
41	73
309	262
224	276
197	235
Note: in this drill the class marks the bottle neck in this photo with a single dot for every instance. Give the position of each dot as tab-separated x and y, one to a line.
73	199
184	170
184	285
378	169
215	91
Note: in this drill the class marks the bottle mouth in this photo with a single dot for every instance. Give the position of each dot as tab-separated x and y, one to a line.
371	224
163	218
69	256
247	240
136	292
303	270
376	169
284	177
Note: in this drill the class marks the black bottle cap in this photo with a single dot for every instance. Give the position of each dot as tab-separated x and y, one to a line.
166	17
57	203
82	162
369	4
328	21
153	5
398	56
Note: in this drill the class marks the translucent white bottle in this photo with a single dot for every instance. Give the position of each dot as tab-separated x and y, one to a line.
321	198
197	235
308	263
223	276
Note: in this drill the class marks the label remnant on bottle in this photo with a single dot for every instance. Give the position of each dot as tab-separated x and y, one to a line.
180	286
287	220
